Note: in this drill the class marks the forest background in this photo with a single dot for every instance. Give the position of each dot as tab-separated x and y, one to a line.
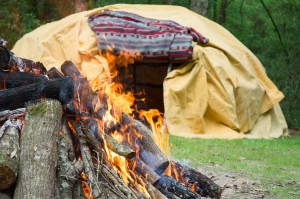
269	28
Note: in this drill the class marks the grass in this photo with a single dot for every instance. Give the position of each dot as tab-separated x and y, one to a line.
275	163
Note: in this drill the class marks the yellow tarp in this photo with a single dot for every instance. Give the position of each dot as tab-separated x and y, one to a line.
223	93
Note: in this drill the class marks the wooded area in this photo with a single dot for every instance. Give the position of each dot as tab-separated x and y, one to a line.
269	28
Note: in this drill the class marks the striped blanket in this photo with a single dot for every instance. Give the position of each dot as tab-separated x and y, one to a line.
118	31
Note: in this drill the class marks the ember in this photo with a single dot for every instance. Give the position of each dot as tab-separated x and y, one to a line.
103	148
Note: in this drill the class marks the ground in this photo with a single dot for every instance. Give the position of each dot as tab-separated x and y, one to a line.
245	168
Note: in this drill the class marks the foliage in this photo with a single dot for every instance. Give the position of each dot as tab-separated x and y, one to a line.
250	23
246	19
272	162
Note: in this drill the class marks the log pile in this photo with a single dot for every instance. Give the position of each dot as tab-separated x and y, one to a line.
55	142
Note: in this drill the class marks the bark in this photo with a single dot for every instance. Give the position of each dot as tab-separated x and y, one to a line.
170	184
199	6
9	157
39	150
66	173
12	79
60	89
4	196
193	178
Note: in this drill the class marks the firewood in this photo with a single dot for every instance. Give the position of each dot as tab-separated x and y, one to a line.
66	172
170	184
9	157
135	187
94	185
118	183
119	148
39	150
12	79
155	191
144	170
201	183
10	114
60	89
150	150
54	73
9	61
4	56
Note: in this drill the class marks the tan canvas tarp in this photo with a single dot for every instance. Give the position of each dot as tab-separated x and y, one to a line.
223	93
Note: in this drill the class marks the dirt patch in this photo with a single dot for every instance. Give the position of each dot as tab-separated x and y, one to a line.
236	185
294	132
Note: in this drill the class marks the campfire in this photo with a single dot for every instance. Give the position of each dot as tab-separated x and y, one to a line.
63	136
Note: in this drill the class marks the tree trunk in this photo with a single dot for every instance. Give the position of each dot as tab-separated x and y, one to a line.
170	2
222	13
9	157
199	6
39	150
215	10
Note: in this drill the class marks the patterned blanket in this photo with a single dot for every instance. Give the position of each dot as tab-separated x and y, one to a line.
154	39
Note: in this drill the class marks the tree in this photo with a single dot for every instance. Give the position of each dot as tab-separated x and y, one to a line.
199	6
222	13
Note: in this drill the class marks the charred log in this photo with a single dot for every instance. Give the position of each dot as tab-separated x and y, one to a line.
167	183
54	73
12	79
9	61
60	89
201	183
9	157
39	150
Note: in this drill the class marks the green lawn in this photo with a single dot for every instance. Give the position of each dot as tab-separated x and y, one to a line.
275	163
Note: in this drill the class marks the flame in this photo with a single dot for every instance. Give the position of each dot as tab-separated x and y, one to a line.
160	135
85	186
107	83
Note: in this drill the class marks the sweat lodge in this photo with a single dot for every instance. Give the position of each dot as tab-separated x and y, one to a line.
210	87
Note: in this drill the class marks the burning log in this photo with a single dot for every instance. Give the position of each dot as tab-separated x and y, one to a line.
171	185
112	144
88	169
144	170
39	150
149	151
9	157
201	183
60	89
12	79
9	61
119	148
